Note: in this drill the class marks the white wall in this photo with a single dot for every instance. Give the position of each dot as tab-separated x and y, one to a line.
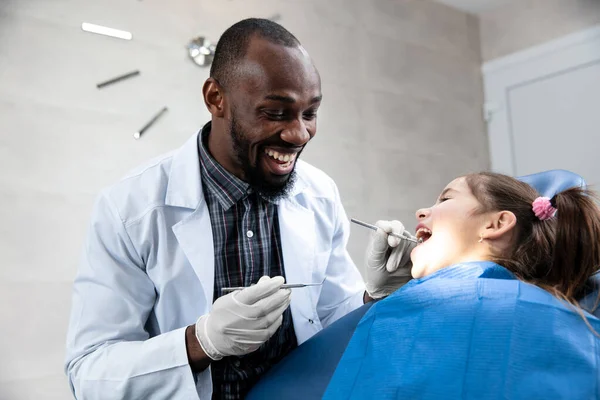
547	49
400	118
519	24
544	102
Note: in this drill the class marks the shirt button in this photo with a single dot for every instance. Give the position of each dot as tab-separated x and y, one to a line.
311	321
249	234
236	363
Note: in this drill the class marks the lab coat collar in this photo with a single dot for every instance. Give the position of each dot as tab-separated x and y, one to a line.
185	185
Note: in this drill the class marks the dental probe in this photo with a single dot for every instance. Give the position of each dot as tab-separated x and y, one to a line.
284	286
397	235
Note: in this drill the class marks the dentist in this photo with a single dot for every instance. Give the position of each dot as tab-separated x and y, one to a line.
233	207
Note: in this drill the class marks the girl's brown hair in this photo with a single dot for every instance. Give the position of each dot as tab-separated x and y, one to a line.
559	254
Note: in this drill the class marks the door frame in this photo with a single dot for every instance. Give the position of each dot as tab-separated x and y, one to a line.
502	75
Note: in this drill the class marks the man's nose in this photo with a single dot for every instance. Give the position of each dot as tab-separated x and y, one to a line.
296	133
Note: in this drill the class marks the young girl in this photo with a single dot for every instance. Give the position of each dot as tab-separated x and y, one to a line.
492	313
551	243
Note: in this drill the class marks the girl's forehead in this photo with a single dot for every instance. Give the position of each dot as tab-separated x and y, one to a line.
457	184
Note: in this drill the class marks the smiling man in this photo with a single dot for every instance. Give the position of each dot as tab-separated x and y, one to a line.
263	94
233	207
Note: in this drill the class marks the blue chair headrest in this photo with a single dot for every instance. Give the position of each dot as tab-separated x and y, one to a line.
554	181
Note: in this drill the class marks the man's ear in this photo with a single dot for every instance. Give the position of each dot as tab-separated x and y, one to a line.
214	98
499	224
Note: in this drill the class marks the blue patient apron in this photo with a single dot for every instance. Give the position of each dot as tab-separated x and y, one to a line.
470	331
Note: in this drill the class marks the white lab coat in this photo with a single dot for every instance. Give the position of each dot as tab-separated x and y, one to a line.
147	272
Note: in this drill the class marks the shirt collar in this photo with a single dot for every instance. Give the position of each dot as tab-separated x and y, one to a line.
227	188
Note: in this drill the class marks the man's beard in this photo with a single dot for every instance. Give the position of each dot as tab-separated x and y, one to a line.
255	176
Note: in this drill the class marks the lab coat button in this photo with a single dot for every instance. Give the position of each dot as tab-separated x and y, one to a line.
311	321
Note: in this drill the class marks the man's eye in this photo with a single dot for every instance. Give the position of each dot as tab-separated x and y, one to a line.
443	199
277	115
310	116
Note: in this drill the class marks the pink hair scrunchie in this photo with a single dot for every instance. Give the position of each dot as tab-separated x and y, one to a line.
543	209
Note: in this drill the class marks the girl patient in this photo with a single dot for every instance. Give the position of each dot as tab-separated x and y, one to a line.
494	217
492	311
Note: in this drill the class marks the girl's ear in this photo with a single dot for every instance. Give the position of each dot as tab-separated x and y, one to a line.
499	224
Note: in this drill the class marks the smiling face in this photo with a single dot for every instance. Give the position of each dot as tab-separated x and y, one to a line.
270	115
451	230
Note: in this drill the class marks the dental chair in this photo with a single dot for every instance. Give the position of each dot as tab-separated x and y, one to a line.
298	376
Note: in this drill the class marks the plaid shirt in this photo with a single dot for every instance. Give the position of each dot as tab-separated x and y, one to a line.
245	230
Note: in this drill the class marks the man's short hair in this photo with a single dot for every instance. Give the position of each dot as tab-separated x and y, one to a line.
233	44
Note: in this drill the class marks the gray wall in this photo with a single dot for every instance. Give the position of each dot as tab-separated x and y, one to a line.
401	117
524	23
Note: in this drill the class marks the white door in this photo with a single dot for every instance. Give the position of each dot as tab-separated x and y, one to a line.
544	108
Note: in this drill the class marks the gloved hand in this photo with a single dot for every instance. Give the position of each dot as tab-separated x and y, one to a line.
240	322
388	259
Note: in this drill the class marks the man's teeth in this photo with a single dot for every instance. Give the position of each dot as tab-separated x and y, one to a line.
280	156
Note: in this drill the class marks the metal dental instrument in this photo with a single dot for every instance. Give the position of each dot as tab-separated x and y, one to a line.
284	286
373	227
117	79
139	133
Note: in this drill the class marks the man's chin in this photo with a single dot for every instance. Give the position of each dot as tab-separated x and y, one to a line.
277	181
273	186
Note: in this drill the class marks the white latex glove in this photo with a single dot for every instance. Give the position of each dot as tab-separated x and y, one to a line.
388	259
240	322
